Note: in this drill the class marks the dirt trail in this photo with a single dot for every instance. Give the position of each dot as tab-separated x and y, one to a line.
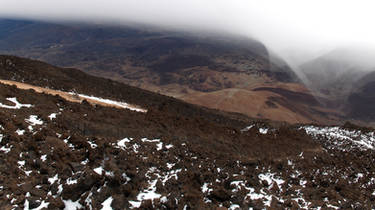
74	97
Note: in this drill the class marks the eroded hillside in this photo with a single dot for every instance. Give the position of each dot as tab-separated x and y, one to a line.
58	154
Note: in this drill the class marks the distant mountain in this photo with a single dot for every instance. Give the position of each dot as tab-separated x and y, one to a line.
335	73
203	69
361	100
68	140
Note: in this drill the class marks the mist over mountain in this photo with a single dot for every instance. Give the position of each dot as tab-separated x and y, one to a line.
231	73
287	26
340	67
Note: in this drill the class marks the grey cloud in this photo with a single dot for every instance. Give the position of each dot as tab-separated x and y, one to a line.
297	29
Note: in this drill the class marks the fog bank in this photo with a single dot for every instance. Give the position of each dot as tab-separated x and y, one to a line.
298	30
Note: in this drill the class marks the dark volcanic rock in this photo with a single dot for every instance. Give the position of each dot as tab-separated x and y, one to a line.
175	156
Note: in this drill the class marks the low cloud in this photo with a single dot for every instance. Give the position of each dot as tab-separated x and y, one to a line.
296	29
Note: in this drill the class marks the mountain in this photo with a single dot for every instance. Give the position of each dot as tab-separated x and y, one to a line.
344	78
70	140
362	98
334	74
219	71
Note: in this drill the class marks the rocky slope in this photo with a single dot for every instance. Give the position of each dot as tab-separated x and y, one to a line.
217	71
58	154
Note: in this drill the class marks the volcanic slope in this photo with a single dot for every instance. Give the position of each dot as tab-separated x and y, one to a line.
216	71
58	154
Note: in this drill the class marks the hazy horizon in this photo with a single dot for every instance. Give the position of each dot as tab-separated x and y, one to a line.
297	30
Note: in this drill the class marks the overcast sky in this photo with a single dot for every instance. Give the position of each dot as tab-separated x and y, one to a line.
295	27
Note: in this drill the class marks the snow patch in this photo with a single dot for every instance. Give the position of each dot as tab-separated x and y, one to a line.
247	128
92	145
43	157
71	181
33	120
263	130
99	170
168	146
20	132
341	138
70	205
121	144
159	146
53	179
205	188
111	102
42	205
17	105
107	204
52	116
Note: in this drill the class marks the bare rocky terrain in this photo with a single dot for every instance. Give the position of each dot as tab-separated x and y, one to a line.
58	154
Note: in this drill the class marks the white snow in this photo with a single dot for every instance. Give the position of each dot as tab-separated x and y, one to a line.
149	193
124	176
111	102
163	199
70	145
33	120
168	146
148	140
99	170
26	205
169	175
28	172
71	181
332	206
70	205
135	148
5	149
42	205
109	173
60	189
263	130
340	137
159	146
17	105
53	179
84	162
290	163
52	116
135	204
170	165
121	144
43	157
20	132
234	207
107	204
205	188
92	145
247	128
21	163
271	178
88	200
